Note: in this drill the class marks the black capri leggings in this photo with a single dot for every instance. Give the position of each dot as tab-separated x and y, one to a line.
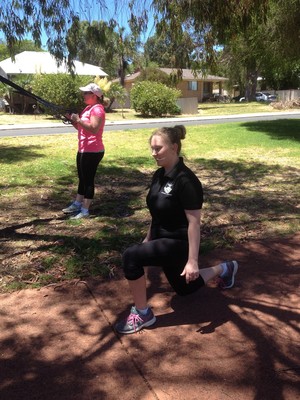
87	164
170	254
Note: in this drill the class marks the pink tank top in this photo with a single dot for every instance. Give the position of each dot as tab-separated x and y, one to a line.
87	141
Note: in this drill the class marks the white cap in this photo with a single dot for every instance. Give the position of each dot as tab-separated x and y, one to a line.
92	87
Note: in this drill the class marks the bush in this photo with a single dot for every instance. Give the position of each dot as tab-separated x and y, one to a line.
155	99
61	89
286	105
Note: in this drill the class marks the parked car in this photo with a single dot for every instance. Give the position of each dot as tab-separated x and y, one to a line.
236	99
260	96
272	97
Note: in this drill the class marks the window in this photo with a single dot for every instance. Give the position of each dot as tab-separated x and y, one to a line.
193	85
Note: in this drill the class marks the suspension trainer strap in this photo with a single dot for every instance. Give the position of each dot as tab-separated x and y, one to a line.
58	109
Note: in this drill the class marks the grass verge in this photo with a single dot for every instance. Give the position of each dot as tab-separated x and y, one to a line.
204	109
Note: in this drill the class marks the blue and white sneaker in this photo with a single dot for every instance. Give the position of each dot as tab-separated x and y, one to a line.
135	321
226	281
72	209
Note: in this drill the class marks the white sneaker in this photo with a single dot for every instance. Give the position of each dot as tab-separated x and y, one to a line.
80	215
71	209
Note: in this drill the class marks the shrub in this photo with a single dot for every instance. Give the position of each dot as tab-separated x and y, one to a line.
155	99
61	89
286	105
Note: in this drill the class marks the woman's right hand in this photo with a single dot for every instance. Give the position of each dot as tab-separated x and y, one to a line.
75	118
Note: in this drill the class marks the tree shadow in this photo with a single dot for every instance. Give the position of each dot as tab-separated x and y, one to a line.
256	323
85	249
16	154
246	195
283	129
59	347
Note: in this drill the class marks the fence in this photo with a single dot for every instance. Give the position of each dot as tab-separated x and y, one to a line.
288	95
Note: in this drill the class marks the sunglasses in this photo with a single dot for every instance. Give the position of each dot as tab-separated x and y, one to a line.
84	93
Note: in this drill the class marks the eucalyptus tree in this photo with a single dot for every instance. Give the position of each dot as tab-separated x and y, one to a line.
94	43
165	52
105	44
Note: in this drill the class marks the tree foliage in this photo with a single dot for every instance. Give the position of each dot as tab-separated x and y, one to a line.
260	35
19	18
257	35
167	53
153	75
88	42
23	45
103	43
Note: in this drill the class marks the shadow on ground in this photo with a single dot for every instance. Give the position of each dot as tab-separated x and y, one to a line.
59	343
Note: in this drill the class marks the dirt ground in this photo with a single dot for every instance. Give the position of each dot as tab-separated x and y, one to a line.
59	343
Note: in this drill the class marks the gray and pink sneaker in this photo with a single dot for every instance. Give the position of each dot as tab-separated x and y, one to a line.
135	321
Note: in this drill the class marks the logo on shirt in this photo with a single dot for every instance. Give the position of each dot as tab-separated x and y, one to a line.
168	188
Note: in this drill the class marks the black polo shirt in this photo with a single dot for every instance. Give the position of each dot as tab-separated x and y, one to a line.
169	196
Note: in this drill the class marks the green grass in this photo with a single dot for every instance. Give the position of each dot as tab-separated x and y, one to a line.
250	174
208	109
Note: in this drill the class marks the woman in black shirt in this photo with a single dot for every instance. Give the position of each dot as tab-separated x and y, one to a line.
173	240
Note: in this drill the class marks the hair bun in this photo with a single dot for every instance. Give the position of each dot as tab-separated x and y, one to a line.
181	131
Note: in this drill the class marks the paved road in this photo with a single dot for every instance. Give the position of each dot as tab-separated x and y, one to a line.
54	129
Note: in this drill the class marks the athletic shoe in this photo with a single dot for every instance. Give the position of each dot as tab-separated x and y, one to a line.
71	209
135	321
227	281
80	215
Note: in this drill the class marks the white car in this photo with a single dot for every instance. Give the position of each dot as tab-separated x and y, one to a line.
260	96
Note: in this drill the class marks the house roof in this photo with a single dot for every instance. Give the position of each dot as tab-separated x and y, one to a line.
2	73
34	62
187	75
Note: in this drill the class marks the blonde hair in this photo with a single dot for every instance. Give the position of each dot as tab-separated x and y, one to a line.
105	101
173	134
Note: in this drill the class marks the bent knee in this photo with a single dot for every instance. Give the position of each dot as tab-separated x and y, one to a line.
132	269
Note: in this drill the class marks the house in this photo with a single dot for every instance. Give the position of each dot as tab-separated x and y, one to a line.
191	85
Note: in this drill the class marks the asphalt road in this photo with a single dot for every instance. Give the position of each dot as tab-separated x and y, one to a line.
58	129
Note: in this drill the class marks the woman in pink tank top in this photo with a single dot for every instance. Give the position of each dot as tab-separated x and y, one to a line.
89	124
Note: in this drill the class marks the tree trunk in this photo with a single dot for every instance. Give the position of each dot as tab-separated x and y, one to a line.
251	83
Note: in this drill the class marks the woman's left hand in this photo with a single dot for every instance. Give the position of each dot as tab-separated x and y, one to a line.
191	271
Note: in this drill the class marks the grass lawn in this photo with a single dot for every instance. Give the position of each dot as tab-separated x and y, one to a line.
250	174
